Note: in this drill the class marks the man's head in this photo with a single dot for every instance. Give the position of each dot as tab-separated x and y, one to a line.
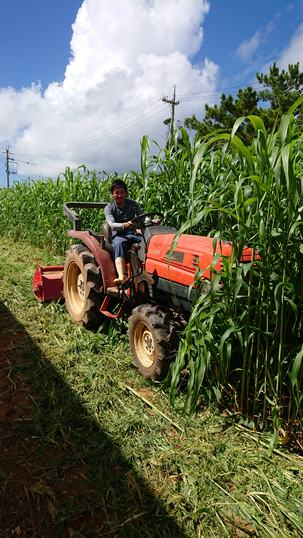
119	192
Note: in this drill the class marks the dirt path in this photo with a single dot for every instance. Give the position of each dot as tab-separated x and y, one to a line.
29	495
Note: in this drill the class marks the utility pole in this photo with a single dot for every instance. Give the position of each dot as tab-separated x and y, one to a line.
7	166
8	160
173	103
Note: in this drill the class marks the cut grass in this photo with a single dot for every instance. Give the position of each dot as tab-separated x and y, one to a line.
101	460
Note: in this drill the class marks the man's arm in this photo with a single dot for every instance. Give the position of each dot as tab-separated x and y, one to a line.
134	209
110	218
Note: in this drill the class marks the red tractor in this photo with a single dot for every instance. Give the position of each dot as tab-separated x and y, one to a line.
156	297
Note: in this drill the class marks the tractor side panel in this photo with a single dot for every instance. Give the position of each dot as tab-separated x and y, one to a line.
101	255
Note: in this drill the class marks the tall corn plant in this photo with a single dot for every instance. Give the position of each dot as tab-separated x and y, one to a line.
33	210
243	341
162	184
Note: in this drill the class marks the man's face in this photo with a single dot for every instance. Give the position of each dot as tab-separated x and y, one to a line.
119	195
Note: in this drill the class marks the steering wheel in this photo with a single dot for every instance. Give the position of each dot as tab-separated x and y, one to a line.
138	219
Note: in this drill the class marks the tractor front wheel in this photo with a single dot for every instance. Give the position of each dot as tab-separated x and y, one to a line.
82	285
152	339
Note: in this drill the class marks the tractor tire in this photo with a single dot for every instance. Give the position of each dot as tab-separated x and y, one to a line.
82	287
152	339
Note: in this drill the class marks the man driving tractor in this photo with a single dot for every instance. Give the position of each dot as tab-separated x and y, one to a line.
119	215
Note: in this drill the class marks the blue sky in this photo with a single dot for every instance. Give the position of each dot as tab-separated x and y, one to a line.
232	22
84	85
35	40
35	36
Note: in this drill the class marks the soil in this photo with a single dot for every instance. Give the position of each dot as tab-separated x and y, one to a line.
48	482
29	496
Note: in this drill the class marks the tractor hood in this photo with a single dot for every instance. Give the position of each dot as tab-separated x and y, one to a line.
190	253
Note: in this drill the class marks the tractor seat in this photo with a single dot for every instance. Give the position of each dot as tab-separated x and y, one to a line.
107	235
96	235
107	231
102	239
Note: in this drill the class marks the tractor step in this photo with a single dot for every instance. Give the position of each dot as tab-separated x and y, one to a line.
113	290
48	282
110	308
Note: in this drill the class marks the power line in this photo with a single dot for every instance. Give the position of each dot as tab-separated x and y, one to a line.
18	161
115	130
122	126
38	164
200	98
218	90
133	121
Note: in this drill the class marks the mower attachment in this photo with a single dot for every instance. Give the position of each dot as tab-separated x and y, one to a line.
47	282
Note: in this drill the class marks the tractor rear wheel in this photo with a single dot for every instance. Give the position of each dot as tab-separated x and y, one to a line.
152	339
82	285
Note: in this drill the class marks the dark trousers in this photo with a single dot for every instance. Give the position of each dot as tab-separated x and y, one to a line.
123	242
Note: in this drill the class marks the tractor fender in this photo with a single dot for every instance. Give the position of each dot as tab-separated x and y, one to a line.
102	256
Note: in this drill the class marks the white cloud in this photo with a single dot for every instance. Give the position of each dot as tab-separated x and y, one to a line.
248	47
125	56
17	109
294	52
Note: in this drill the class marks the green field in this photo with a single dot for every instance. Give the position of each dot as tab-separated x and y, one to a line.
246	355
101	452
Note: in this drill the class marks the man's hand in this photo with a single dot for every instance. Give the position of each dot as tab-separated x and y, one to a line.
129	225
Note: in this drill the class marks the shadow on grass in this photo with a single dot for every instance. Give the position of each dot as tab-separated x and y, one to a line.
60	475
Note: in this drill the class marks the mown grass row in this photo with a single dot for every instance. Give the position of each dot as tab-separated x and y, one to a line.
243	342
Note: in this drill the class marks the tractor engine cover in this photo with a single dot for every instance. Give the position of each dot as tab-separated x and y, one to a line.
191	252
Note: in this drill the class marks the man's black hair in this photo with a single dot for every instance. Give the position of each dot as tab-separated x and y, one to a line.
118	184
